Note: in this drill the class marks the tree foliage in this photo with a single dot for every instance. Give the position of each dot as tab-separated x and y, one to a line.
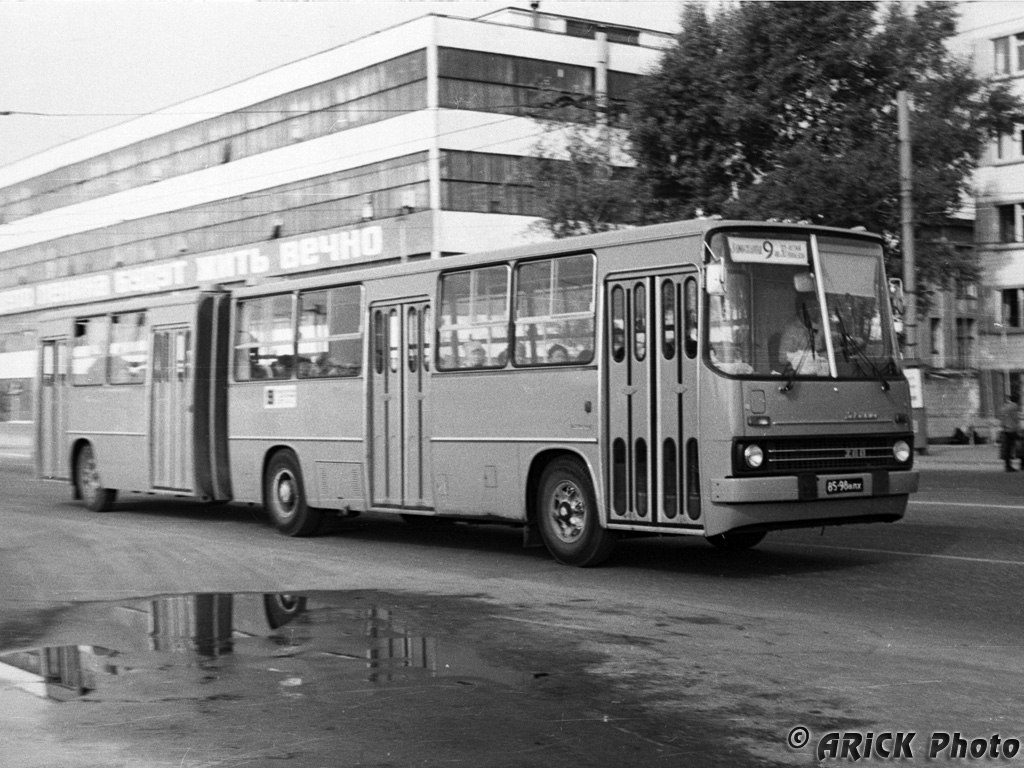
787	110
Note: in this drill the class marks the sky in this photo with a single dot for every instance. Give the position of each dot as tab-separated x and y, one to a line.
74	67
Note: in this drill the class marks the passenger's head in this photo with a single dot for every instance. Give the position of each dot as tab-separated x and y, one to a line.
557	354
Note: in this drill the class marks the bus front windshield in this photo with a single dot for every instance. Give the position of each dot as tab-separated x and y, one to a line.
765	316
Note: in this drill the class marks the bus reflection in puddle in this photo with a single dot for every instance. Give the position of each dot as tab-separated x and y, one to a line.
230	646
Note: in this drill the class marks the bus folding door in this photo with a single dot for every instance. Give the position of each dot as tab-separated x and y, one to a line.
651	365
52	437
170	410
400	375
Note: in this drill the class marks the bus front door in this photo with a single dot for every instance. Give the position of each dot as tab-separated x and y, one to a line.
400	371
171	410
652	400
52	439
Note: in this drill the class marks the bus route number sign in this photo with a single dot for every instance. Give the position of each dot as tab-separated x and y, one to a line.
848	485
768	250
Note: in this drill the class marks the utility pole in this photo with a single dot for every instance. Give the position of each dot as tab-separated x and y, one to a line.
907	228
912	361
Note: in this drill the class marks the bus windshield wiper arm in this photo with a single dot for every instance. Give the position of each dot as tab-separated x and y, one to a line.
850	343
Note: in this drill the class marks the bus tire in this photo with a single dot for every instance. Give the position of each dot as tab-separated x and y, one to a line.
284	497
568	517
88	484
736	541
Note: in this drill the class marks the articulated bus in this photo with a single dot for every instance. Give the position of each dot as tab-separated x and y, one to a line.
711	378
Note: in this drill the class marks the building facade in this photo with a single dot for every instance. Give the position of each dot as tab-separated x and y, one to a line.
408	143
992	33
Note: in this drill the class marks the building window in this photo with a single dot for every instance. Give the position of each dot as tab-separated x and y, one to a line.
1013	304
964	342
1009	223
1001	55
936	338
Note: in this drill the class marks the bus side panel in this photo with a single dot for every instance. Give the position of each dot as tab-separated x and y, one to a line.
484	422
114	420
320	420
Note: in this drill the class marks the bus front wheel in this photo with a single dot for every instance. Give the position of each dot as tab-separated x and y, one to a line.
88	483
284	497
567	515
736	541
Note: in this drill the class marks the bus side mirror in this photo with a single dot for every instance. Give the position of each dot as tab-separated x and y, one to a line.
714	279
803	282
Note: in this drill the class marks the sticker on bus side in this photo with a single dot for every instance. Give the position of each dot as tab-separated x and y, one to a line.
283	396
768	250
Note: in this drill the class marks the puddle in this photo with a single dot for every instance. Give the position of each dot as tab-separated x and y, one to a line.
321	679
224	645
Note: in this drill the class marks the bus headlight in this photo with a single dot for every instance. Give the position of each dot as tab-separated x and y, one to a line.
753	455
901	450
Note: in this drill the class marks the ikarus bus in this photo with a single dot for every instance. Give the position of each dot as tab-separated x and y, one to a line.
720	379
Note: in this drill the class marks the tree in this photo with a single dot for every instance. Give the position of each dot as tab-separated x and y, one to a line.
787	110
577	182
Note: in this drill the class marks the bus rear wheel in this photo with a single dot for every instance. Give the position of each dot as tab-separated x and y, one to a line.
567	515
736	541
284	497
88	483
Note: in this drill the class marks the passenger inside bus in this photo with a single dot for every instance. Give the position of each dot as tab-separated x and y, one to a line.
557	354
802	344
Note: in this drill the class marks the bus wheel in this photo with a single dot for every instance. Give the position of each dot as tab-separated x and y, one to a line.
284	497
88	484
737	541
567	515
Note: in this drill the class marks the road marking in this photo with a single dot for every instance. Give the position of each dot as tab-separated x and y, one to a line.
965	504
961	558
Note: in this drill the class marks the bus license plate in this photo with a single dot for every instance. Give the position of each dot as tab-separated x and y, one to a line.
839	486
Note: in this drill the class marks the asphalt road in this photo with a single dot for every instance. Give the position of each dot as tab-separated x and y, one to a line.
462	648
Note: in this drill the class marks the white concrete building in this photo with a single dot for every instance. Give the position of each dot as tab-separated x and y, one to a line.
403	144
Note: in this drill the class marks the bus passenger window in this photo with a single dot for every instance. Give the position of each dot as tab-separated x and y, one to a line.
473	321
89	351
379	341
554	311
129	348
330	332
265	338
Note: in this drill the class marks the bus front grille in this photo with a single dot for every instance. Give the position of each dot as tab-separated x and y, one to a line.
824	454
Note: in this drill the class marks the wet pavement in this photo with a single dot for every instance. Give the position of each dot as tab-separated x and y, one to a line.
322	679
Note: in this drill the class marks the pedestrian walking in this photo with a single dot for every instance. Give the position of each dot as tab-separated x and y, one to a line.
1009	425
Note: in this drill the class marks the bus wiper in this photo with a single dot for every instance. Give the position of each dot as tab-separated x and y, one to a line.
850	343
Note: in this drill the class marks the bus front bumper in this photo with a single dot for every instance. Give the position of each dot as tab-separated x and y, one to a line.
813	487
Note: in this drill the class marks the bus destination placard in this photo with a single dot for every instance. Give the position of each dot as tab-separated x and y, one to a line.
769	250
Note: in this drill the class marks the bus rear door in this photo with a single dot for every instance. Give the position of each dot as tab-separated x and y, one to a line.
652	400
52	438
400	373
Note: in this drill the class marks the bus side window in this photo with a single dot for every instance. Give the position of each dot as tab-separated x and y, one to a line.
128	348
89	354
330	332
554	311
473	319
264	338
